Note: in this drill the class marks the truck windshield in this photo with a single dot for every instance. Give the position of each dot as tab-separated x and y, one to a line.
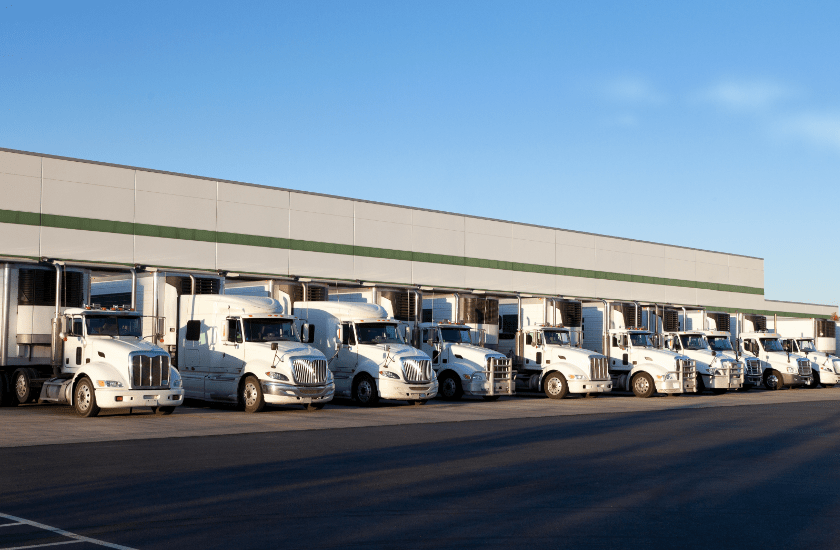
113	325
720	343
556	337
378	333
456	335
270	330
641	339
771	344
693	341
807	345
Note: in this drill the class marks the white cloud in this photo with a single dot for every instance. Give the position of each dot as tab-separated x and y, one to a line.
818	128
746	96
632	90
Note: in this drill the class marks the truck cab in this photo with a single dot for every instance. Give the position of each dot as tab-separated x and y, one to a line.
825	367
638	366
247	350
720	343
368	354
106	364
779	368
462	367
716	372
546	361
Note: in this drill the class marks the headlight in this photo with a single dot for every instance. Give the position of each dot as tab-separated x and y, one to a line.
329	376
791	369
476	376
109	384
671	376
576	377
177	383
277	376
826	369
389	374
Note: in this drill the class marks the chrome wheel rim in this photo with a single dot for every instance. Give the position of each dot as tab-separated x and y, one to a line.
448	387
83	397
20	386
250	394
772	381
554	386
364	391
642	385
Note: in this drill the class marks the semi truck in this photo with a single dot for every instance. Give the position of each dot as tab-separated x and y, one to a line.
55	347
718	330
245	350
779	368
813	339
635	361
368	352
546	351
716	372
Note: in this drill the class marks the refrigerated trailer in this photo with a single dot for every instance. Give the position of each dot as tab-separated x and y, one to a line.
56	347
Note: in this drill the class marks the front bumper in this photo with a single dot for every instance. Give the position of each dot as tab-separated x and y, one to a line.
828	377
108	398
676	386
277	393
722	382
790	379
589	386
409	391
482	387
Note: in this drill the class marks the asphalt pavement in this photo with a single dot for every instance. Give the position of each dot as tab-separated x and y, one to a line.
759	475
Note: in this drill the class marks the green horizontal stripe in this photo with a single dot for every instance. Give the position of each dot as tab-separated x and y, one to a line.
262	241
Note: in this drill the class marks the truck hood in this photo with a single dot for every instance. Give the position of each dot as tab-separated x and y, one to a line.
660	357
285	350
113	348
474	353
399	350
571	354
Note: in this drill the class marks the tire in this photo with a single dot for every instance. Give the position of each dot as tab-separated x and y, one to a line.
449	387
251	395
772	380
491	397
84	399
642	385
815	380
701	387
555	386
311	407
364	390
164	411
22	386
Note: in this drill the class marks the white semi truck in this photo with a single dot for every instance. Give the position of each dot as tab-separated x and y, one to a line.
779	369
716	372
544	351
813	339
54	347
717	334
635	362
367	352
233	349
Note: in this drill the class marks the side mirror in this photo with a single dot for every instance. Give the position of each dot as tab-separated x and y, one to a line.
274	346
482	337
529	340
408	335
311	330
338	337
304	333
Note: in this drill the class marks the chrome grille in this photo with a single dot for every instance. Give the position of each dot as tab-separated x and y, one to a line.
417	370
309	371
687	370
804	367
753	367
599	368
500	366
149	371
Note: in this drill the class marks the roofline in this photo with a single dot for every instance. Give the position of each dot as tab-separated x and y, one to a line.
152	170
800	303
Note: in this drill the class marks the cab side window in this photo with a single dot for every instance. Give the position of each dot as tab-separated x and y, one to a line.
234	334
348	337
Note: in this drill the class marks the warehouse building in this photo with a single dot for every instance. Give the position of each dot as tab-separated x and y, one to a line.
83	211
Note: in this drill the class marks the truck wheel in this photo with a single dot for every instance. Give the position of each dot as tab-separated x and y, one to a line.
23	387
164	411
449	387
309	407
773	380
701	387
642	385
84	399
555	386
364	390
815	380
252	395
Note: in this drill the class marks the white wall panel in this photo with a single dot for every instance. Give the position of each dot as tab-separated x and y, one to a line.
69	198
487	247
438	274
157	251
575	286
575	257
381	269
437	241
22	193
612	261
251	219
20	240
491	279
310	226
583	240
711	273
382	234
92	246
321	205
452	222
318	264
647	266
175	211
252	259
538	283
379	212
258	196
167	184
532	252
82	172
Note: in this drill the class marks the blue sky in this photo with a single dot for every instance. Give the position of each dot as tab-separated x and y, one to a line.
712	124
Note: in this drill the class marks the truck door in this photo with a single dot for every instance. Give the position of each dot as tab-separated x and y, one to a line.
222	381
619	352
430	344
189	360
74	349
345	362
